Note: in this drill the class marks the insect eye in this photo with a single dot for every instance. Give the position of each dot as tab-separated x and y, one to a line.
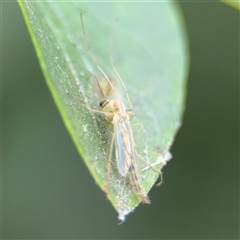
103	103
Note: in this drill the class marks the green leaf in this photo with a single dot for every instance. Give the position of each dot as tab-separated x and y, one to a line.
150	53
234	4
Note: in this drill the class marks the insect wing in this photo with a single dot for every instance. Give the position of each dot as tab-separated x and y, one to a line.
125	150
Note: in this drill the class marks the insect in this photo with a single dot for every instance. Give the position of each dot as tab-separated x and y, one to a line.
122	140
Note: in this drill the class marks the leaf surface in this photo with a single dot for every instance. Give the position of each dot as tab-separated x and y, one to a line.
150	53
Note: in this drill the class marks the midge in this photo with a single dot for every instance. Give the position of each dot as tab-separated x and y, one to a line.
122	141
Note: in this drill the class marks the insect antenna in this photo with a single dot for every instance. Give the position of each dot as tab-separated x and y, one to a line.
99	86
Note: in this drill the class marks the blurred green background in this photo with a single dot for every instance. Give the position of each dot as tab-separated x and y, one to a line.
47	192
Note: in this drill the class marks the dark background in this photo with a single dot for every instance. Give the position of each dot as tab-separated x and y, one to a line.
47	192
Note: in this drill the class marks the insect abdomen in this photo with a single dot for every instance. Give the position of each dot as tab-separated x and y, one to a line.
136	185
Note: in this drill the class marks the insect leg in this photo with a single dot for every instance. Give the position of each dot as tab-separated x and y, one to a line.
115	70
147	163
92	55
109	161
153	168
85	106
